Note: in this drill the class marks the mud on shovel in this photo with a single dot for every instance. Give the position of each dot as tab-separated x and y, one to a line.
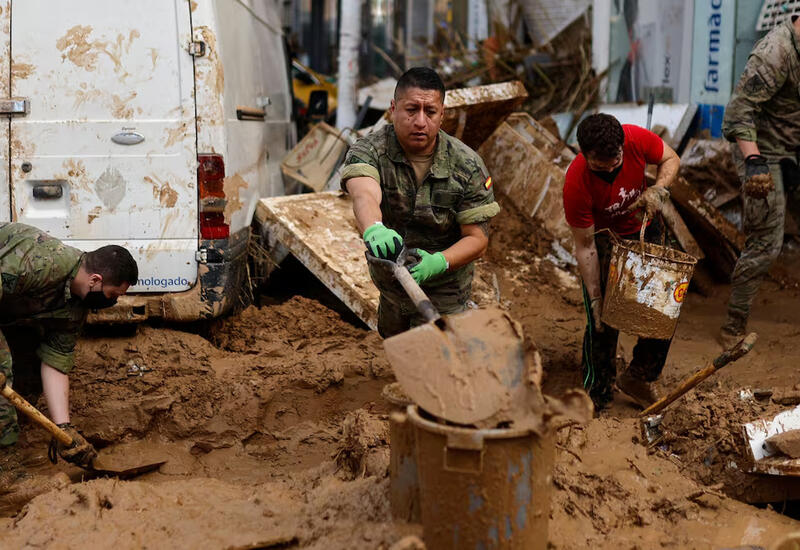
464	368
651	419
99	465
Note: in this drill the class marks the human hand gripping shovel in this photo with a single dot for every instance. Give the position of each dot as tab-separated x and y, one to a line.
98	465
651	420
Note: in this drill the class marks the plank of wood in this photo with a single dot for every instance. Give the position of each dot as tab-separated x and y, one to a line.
693	202
319	229
477	111
678	227
725	197
528	177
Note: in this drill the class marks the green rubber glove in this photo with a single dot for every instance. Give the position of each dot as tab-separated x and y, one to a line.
429	266
382	242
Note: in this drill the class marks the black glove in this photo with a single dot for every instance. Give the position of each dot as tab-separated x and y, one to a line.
758	180
81	453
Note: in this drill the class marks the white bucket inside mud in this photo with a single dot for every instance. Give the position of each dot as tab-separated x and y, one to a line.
482	488
645	289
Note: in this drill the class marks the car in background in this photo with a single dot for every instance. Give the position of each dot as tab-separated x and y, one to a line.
314	94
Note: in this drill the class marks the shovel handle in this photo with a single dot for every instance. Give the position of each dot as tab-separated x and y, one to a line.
727	357
417	295
31	412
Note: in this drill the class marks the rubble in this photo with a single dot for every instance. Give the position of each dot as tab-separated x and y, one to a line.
528	175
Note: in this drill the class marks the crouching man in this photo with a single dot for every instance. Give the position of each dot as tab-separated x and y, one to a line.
48	288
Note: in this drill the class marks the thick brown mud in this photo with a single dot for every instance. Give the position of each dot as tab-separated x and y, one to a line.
276	432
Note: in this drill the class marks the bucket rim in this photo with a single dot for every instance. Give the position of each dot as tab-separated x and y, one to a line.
636	246
482	433
393	399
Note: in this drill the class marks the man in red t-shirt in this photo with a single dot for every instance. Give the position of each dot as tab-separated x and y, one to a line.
605	188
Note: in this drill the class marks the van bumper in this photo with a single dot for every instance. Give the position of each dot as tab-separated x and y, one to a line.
221	278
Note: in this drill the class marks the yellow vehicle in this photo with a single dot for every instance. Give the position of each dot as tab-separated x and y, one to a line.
310	90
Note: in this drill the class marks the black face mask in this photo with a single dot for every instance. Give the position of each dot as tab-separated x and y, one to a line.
608	177
97	300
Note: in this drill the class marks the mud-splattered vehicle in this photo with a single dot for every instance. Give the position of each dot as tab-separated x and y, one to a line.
156	125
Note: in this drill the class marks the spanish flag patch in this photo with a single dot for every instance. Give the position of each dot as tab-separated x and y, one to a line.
488	183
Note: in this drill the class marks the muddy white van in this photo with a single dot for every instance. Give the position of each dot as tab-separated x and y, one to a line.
155	125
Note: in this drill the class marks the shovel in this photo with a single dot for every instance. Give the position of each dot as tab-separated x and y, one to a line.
651	420
98	466
466	368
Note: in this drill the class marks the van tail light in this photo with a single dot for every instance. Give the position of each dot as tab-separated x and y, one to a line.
210	188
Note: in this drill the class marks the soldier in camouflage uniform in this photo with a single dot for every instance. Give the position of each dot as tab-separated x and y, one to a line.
415	186
48	287
763	118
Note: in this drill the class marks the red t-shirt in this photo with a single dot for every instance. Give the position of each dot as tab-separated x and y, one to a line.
588	200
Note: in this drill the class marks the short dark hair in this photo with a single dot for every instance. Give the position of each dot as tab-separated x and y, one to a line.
601	135
424	78
114	263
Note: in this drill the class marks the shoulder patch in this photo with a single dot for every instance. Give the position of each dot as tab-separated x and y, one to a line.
753	85
488	183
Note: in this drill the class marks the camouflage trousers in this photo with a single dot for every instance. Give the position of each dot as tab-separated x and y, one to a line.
9	429
763	227
600	348
397	313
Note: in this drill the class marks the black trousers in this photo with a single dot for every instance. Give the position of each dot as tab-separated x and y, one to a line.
600	348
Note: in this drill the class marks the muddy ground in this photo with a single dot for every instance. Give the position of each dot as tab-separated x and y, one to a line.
275	430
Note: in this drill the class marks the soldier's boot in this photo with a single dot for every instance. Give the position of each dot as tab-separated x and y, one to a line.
733	330
636	388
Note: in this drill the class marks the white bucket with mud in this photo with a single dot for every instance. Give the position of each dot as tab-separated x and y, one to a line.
645	289
482	488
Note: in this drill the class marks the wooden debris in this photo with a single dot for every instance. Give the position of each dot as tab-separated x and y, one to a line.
678	227
719	238
319	229
472	114
528	177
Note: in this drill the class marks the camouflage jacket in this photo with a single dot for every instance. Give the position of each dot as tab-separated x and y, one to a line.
36	271
765	105
456	191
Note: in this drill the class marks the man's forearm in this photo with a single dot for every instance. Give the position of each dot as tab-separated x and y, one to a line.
367	211
465	250
366	194
589	267
56	392
747	147
668	172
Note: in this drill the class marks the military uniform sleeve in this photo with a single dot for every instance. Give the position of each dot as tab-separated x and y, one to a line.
763	75
57	348
361	161
478	205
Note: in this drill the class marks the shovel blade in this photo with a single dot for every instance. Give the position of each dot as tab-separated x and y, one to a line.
107	467
463	373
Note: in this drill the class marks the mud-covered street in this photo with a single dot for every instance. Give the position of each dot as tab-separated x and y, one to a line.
276	434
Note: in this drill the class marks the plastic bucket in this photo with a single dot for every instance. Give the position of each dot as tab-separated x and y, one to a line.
482	489
403	483
645	288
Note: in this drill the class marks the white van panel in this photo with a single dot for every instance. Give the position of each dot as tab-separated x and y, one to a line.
5	73
245	67
96	70
168	257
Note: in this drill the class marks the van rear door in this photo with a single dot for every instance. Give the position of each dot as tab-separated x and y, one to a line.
107	154
5	73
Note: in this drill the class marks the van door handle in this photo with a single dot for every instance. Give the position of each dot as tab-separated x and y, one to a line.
48	189
249	113
15	106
